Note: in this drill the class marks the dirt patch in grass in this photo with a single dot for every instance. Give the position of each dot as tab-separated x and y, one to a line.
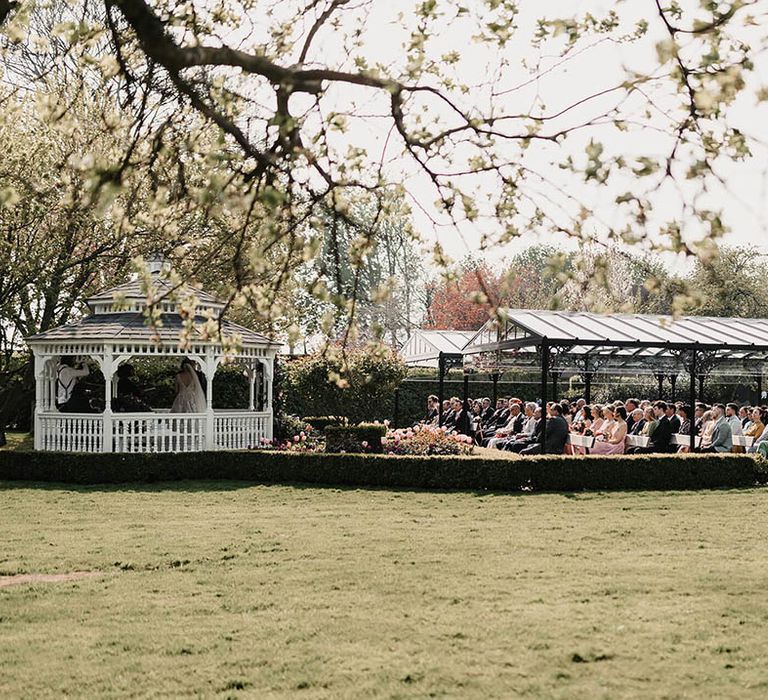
21	579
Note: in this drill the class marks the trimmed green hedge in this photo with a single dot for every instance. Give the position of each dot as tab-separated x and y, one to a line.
543	473
350	438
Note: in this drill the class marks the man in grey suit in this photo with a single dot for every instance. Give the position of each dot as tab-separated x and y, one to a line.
722	435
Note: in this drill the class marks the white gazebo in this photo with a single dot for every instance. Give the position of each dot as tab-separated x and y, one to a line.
116	331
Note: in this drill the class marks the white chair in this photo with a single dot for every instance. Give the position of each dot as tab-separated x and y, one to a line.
638	440
685	440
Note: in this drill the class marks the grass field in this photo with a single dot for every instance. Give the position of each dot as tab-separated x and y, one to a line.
270	591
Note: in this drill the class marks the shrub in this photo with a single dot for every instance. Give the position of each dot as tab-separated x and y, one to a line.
366	437
426	440
361	390
320	423
287	425
541	473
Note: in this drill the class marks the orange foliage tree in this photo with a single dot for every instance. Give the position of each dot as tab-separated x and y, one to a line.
464	300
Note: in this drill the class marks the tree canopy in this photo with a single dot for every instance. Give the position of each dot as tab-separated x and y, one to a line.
241	126
280	153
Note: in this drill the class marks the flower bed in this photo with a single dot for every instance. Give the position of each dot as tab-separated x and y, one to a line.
426	440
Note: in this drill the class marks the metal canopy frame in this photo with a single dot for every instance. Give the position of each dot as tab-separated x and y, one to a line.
622	342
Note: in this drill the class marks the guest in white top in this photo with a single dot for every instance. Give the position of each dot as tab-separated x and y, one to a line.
67	377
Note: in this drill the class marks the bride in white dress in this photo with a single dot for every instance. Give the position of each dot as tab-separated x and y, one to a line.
190	397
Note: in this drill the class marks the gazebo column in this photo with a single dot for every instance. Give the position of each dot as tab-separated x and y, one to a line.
210	419
108	370
269	368
40	388
252	388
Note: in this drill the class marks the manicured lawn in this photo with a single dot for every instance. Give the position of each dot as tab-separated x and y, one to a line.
270	591
18	441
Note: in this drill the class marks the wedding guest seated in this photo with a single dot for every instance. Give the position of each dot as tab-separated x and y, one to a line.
659	438
432	412
597	418
513	427
761	442
685	414
499	419
698	415
745	416
721	432
707	428
755	427
732	418
638	421
520	442
449	417
556	434
631	405
674	420
486	412
462	422
614	431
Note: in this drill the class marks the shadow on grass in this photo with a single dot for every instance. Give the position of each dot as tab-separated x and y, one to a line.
217	486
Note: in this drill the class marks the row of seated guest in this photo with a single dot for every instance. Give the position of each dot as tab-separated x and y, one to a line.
516	426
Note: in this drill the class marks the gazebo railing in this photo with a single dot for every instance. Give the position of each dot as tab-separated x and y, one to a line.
158	432
70	432
240	430
152	432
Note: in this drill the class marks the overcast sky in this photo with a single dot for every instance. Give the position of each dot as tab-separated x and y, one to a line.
600	65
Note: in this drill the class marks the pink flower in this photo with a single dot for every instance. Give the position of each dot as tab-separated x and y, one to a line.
365	444
295	438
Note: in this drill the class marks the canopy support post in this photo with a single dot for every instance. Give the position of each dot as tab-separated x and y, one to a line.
495	380
759	387
544	383
692	399
587	381
440	387
673	383
660	378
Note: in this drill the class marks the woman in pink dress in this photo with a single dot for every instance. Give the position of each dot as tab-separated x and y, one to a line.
597	419
614	430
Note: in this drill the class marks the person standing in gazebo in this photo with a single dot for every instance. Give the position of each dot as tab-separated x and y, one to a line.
67	377
190	397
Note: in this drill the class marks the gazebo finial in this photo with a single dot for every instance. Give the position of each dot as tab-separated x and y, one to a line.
156	263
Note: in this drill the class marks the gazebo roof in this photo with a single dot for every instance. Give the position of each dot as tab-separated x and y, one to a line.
132	290
133	327
117	314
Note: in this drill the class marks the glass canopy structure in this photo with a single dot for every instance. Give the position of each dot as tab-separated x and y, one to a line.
557	341
624	342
